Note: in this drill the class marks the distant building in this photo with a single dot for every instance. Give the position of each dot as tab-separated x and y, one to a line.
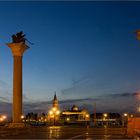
72	116
75	116
110	119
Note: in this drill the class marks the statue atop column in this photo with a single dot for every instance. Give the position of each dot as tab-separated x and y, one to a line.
18	44
18	37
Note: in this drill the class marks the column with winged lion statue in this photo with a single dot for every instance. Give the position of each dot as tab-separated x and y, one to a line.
18	47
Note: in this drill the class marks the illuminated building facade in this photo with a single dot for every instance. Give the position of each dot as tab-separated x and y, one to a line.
72	116
75	116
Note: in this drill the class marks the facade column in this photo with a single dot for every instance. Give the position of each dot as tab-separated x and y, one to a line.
17	50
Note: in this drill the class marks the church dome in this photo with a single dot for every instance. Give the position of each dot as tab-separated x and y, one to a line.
74	108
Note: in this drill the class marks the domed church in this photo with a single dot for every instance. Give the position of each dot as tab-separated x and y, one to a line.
75	115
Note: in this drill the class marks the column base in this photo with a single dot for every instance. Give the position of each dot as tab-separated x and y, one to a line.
16	125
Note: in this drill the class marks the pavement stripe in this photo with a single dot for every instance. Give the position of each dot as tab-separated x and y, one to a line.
76	136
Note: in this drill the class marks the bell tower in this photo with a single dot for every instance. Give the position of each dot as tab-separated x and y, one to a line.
55	101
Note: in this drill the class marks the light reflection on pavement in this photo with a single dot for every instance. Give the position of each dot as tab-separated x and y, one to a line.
63	132
54	132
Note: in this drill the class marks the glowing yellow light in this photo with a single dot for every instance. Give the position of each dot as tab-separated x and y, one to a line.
1	119
22	116
57	112
131	115
54	109
138	109
105	114
50	112
125	114
87	116
68	119
4	117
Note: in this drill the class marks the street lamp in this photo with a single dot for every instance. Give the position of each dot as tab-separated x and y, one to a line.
87	119
22	116
3	118
125	119
125	114
54	113
105	115
68	119
50	112
87	116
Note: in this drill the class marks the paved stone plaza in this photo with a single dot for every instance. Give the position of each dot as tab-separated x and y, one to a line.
61	132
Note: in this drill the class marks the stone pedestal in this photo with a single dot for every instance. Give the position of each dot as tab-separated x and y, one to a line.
16	125
17	50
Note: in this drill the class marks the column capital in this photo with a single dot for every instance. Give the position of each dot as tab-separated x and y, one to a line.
17	48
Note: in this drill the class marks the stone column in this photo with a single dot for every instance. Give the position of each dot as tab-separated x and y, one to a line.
18	50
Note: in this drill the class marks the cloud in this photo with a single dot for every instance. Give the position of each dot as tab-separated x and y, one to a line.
80	85
5	91
5	108
4	99
82	80
27	98
77	100
123	102
123	95
105	103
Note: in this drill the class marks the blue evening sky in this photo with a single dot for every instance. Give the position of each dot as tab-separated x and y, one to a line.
81	49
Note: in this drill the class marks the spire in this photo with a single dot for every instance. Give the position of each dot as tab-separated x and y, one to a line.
55	101
55	98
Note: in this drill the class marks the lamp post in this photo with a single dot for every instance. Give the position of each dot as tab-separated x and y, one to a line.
87	119
54	113
105	115
125	119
